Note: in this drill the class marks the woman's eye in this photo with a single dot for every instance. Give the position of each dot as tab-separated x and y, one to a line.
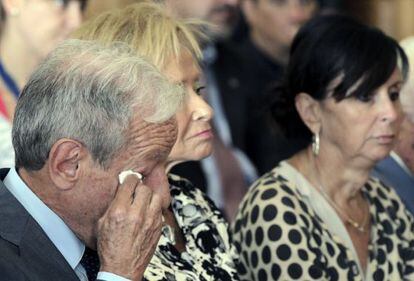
200	90
394	95
364	98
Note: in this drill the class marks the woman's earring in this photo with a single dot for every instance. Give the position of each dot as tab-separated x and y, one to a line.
315	144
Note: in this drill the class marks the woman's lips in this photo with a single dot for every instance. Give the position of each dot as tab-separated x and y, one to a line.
385	139
205	134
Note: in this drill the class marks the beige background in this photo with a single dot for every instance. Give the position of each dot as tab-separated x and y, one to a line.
395	17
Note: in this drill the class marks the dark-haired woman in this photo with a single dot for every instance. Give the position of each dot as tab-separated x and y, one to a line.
319	215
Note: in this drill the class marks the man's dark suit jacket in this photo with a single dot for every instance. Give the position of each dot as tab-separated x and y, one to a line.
26	253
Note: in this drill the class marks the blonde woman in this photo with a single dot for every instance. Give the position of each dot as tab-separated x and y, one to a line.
195	243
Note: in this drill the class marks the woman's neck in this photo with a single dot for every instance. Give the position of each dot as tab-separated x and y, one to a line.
341	179
17	57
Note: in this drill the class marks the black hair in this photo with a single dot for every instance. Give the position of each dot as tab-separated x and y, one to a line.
327	48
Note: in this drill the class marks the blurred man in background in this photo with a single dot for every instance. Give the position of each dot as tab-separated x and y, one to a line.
397	170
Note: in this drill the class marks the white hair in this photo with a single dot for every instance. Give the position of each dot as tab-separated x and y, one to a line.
89	93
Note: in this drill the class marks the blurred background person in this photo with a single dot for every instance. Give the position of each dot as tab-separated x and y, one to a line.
29	30
196	244
397	170
272	26
319	215
221	14
325	7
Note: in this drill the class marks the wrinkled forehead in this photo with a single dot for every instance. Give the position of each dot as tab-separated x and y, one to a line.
151	139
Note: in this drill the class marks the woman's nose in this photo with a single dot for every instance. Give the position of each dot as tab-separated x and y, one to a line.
391	110
202	110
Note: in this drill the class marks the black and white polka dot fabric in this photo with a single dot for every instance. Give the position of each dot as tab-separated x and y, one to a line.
209	255
280	237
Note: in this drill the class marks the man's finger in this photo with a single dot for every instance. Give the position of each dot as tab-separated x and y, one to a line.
155	206
125	192
142	198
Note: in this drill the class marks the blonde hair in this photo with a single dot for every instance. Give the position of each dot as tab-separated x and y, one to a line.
149	29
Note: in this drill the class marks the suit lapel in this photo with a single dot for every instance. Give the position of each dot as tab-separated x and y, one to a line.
37	255
41	254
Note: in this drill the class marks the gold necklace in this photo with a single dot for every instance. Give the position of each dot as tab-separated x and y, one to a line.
361	227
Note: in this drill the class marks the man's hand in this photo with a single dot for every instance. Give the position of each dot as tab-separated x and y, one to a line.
129	231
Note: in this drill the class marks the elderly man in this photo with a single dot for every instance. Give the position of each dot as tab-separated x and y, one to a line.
87	114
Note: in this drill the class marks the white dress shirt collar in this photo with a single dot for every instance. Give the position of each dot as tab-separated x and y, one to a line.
400	162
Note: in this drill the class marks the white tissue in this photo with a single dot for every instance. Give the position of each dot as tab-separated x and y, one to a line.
124	174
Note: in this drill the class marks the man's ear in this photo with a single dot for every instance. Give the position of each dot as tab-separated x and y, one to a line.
309	111
65	157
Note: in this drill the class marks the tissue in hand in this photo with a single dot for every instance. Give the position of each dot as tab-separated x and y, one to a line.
124	174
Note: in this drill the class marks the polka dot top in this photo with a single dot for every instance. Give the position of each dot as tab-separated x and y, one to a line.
280	235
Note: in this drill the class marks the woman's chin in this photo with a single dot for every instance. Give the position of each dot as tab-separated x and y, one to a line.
381	155
194	155
200	152
206	153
